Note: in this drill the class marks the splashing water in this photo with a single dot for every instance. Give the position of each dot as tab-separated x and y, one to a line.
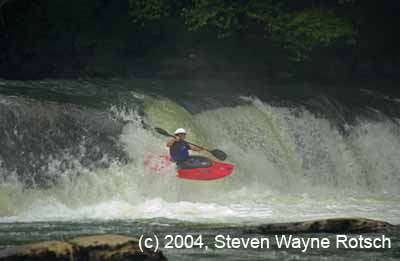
290	165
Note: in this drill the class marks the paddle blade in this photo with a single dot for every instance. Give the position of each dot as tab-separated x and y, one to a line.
162	132
219	154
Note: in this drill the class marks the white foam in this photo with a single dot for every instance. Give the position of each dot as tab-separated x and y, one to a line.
290	165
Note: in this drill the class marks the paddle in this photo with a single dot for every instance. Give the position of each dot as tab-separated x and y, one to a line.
219	154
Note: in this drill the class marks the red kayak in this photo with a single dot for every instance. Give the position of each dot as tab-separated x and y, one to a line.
206	169
217	170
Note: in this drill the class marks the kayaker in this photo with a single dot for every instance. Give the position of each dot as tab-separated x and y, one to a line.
179	149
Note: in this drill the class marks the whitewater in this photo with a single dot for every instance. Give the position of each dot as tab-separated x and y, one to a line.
291	163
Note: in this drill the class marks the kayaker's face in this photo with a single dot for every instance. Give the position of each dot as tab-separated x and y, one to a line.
181	136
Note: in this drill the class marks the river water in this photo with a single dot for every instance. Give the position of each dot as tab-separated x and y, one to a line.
72	154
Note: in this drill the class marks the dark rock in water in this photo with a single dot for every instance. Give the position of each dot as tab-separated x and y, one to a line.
332	225
101	247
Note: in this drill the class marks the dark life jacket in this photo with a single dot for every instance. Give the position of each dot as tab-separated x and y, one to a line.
179	151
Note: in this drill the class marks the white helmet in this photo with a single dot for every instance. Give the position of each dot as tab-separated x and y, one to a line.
180	131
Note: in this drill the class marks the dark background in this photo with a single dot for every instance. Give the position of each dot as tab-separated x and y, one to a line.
104	38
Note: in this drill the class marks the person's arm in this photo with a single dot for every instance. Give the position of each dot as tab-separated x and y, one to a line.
171	142
195	148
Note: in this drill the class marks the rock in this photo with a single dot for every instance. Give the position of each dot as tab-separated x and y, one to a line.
50	250
332	225
100	247
112	247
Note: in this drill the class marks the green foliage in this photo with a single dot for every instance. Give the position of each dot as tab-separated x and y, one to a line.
298	30
303	31
145	11
220	14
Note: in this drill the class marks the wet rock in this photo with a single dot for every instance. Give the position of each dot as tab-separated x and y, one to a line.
50	250
332	225
101	247
112	247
